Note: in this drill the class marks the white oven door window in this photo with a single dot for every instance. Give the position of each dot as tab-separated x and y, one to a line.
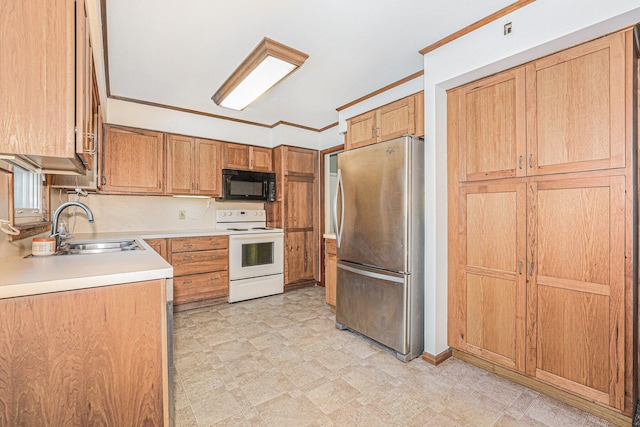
252	255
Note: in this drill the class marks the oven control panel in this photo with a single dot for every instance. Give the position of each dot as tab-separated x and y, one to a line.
237	215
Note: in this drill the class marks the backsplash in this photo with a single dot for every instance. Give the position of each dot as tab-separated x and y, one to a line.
117	213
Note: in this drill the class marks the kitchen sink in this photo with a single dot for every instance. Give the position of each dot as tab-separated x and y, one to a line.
98	247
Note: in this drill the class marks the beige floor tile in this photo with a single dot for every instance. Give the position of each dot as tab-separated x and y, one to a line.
280	361
285	411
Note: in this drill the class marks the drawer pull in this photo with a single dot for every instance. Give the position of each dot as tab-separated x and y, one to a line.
186	282
214	256
215	243
187	245
187	258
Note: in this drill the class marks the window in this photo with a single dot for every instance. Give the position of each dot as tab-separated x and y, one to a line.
27	197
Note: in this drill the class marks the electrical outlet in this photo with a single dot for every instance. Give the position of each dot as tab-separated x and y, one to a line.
508	27
182	214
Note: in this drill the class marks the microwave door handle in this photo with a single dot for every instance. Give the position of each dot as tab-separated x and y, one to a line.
340	225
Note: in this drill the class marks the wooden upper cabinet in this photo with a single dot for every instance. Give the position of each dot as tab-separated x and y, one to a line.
236	156
492	127
194	166
37	63
240	156
181	163
260	159
361	130
396	119
405	116
86	138
301	161
133	161
576	108
208	167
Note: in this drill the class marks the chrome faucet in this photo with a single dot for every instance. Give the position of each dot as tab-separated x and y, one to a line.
56	216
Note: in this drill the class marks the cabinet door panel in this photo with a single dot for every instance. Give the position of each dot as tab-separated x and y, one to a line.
300	203
180	164
361	131
492	127
492	286
576	289
396	119
236	156
37	70
300	256
209	167
261	159
491	310
301	161
133	161
576	108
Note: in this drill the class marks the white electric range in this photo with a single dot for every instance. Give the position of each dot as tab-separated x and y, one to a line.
256	254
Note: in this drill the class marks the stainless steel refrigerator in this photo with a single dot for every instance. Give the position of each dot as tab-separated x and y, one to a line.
379	212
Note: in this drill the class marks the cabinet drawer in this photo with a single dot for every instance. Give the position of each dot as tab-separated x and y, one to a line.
330	246
185	244
200	286
199	262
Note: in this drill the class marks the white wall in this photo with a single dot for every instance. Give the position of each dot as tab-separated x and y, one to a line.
539	28
330	138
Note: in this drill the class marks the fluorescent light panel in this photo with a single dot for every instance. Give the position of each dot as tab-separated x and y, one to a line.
265	66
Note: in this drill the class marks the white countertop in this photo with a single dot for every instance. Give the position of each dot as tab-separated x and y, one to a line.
39	275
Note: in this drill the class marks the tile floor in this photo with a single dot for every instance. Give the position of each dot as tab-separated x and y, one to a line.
279	361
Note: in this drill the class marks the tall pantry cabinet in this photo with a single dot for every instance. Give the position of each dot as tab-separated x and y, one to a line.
541	210
296	211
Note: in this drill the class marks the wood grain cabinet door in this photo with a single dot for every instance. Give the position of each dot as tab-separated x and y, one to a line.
236	156
208	174
491	283
180	164
301	256
492	127
361	130
261	159
396	119
576	108
576	270
133	161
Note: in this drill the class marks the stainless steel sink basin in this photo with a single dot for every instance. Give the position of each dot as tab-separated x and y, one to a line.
98	247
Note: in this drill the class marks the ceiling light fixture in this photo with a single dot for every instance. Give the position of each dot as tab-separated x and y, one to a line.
265	66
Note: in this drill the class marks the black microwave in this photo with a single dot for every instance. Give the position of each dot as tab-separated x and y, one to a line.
249	186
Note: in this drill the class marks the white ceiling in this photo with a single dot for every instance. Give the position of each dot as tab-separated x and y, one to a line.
178	52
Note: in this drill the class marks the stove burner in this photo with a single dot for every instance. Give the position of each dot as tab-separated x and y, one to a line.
238	229
262	228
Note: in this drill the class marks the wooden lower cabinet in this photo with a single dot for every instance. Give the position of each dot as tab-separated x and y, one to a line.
200	268
542	281
576	286
160	246
492	286
301	262
330	266
295	211
93	356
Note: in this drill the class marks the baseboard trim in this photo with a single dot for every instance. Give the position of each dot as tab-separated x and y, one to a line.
202	303
298	285
438	359
612	415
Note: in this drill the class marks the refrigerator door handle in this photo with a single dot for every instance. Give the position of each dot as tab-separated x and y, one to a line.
398	278
339	226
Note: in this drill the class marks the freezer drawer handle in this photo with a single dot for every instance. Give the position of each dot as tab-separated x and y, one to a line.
372	274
